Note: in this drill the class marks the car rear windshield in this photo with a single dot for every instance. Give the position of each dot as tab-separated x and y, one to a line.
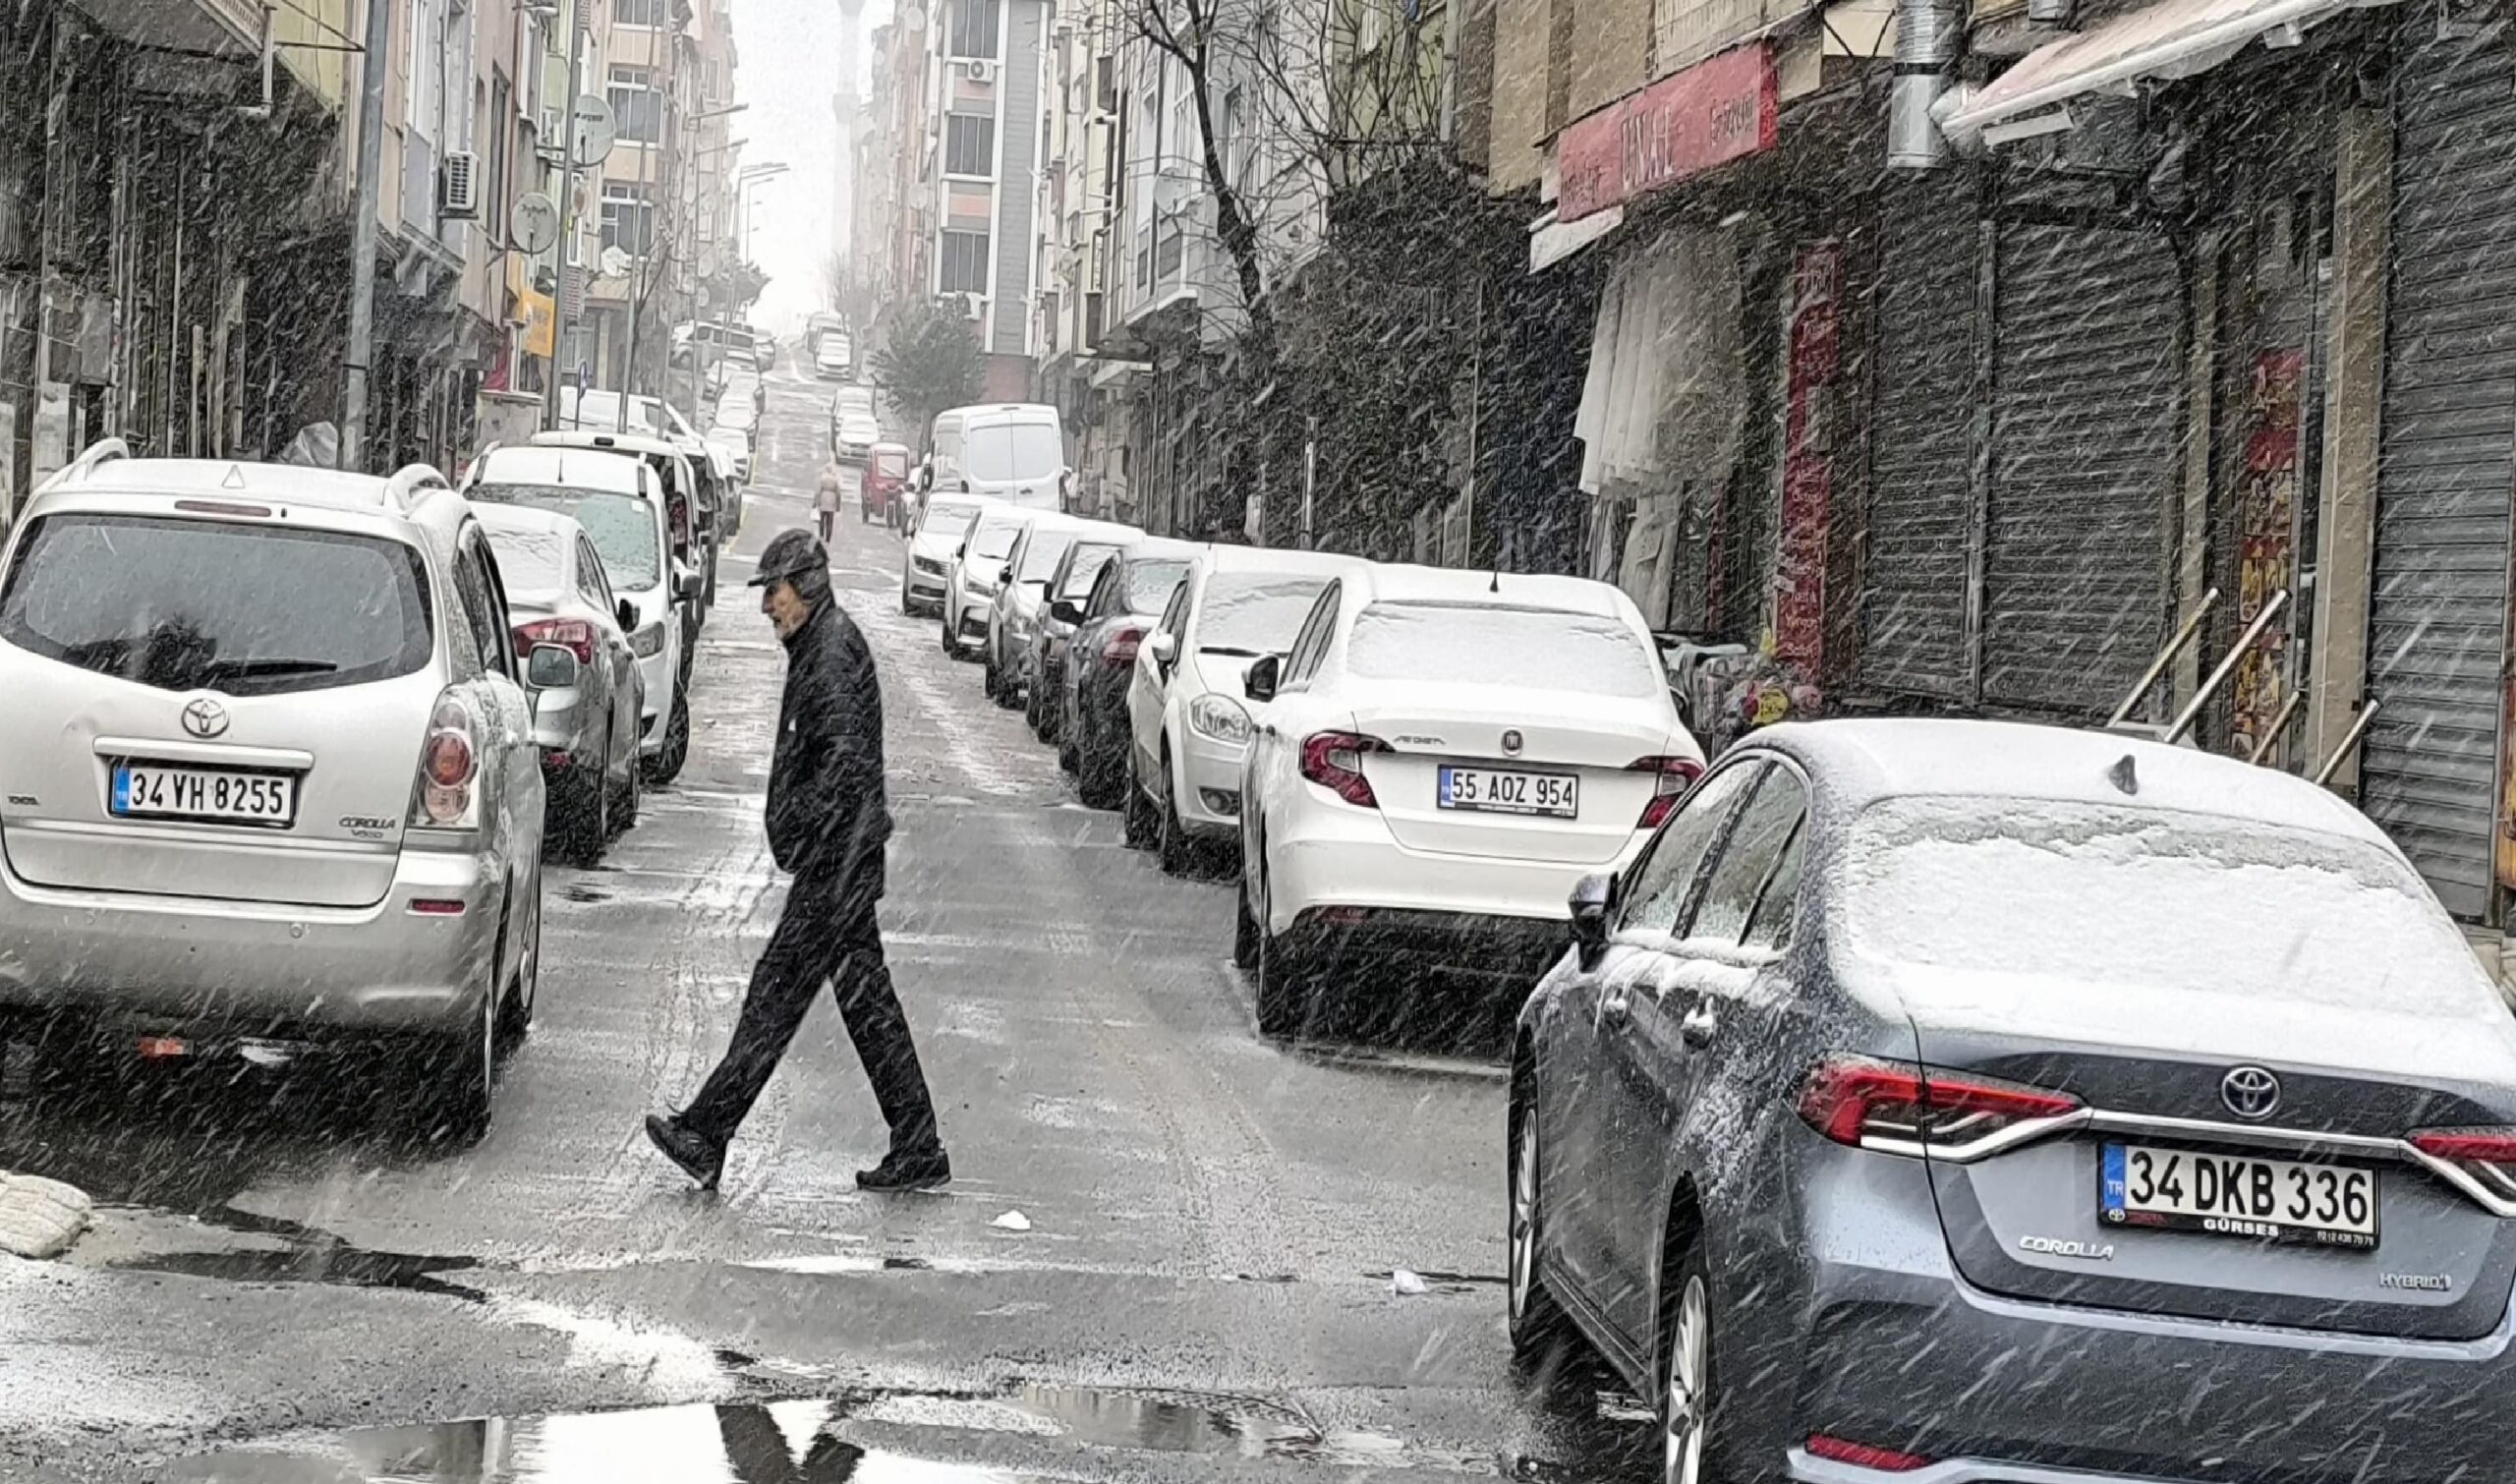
2055	894
1255	612
529	561
1089	558
1150	585
250	610
1012	451
892	465
623	527
949	520
1040	558
1477	644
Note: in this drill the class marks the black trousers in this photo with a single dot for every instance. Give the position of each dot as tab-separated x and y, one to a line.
821	936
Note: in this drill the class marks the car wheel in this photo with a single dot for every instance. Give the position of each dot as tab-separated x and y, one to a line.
1141	827
515	1011
1688	1395
675	752
864	513
1539	1328
1244	927
1285	983
908	604
1175	848
1009	686
1034	715
462	1069
1069	756
632	794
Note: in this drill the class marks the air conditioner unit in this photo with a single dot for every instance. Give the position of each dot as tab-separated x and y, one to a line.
461	180
978	70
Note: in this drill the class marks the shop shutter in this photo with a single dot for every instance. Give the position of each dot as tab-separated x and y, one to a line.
2084	372
1913	615
2437	619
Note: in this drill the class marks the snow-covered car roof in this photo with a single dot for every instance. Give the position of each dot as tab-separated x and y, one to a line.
616	471
1286	559
1860	761
1408	583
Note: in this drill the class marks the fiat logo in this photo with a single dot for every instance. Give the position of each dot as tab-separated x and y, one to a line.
2250	1092
205	717
1511	743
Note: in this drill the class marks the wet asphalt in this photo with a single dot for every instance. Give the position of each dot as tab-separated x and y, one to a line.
283	1285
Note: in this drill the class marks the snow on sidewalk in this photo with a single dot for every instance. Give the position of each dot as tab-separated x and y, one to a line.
41	1218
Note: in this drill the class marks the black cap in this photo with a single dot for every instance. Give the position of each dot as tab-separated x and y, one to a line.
790	554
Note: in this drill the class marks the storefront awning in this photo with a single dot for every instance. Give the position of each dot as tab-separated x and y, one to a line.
2174	38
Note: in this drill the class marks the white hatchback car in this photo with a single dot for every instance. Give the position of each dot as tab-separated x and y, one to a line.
1445	754
267	772
1189	719
620	500
978	568
926	568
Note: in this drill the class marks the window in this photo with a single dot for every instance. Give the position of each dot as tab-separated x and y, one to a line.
589	578
1312	641
1256	612
1105	591
1470	643
1041	555
961	263
623	525
628	218
1755	844
974	28
254	609
969	145
636	108
1660	887
1150	584
1013	451
476	595
1174	618
1770	927
1083	570
638	12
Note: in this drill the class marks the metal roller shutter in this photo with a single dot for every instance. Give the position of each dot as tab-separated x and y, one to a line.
2085	375
2437	619
1914	606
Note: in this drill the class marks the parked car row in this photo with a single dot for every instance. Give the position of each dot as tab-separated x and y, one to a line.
289	746
1402	762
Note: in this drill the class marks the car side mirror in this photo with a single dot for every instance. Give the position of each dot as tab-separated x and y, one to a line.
1258	682
688	586
1165	650
1066	611
550	667
1593	900
1005	574
625	613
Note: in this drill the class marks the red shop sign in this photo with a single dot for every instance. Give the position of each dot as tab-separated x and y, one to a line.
1710	114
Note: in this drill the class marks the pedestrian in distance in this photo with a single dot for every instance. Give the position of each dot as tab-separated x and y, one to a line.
827	823
825	501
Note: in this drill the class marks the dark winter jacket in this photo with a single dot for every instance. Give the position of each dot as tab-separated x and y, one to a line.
828	817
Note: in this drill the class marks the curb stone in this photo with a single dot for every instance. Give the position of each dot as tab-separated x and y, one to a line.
41	1218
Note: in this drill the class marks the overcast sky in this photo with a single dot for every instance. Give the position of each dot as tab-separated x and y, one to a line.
788	51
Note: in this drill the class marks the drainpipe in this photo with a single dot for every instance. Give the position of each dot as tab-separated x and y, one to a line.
1926	55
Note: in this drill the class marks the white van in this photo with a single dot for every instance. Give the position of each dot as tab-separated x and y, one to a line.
1012	451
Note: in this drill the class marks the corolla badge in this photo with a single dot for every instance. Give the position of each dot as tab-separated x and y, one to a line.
205	717
2251	1092
2060	1246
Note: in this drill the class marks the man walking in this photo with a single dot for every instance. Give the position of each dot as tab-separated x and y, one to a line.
828	823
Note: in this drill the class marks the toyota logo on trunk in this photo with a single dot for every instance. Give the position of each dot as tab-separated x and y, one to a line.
2250	1092
205	717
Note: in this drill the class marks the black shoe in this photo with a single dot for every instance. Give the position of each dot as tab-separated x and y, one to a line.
700	1158
912	1171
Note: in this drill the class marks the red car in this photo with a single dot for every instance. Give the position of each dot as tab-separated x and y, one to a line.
885	480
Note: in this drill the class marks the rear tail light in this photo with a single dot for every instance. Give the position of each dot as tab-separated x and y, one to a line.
1121	650
2483	1161
1896	1107
1335	760
449	764
1886	1461
1676	776
573	633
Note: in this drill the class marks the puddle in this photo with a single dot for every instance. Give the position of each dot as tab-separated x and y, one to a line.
867	1437
263	1249
579	891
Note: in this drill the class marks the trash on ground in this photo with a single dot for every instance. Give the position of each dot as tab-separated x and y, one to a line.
1012	1221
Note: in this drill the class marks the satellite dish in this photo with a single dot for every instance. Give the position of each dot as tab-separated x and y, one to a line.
615	261
536	222
595	131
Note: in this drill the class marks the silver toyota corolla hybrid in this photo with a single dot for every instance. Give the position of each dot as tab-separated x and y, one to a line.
1962	1101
